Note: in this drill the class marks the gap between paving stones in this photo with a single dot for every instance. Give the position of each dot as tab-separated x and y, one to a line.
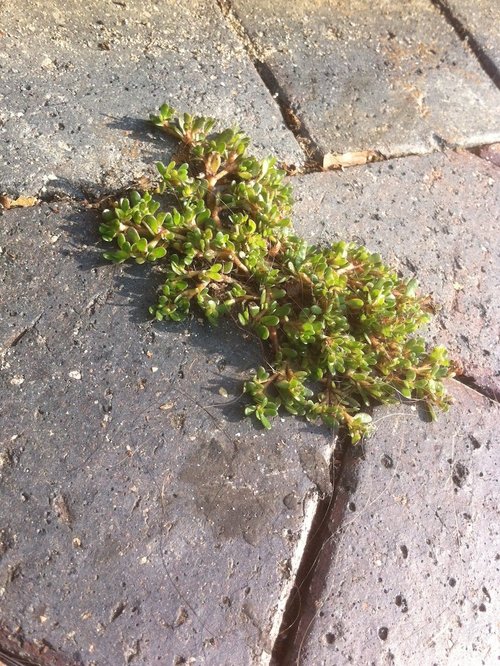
330	510
295	124
471	383
486	63
91	200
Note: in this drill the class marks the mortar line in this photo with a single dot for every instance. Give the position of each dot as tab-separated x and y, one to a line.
465	35
483	391
318	553
380	159
90	200
292	121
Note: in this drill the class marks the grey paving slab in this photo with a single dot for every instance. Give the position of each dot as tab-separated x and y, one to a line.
141	519
79	79
396	79
481	18
435	217
413	576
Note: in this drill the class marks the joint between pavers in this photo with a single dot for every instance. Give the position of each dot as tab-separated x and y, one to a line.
472	384
301	607
444	148
465	35
293	123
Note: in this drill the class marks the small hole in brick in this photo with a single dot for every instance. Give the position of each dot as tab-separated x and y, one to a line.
387	461
352	506
330	638
482	608
452	582
383	632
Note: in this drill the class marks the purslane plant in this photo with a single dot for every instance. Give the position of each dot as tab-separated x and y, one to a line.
338	324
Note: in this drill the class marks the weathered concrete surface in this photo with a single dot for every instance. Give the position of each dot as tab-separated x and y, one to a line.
396	79
141	519
80	79
481	18
412	577
436	217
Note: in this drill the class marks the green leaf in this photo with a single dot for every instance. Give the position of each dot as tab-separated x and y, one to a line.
156	253
141	246
270	320
262	331
132	235
264	420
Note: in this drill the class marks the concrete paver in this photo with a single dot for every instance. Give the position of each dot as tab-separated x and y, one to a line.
413	577
396	80
435	217
141	518
79	80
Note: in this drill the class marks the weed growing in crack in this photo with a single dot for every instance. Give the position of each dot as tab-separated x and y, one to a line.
338	323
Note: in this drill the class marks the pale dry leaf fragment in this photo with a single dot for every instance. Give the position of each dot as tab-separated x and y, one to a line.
20	202
356	158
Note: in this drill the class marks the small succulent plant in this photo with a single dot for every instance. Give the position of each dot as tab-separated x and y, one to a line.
338	324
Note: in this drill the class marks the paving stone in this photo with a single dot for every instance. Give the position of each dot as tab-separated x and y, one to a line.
79	80
397	80
142	520
435	217
481	18
413	570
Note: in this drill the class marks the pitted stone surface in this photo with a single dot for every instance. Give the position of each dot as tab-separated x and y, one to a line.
412	575
80	79
395	79
435	217
142	519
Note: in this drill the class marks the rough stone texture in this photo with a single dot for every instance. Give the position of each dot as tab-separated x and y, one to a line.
397	80
80	79
481	18
413	577
141	519
435	217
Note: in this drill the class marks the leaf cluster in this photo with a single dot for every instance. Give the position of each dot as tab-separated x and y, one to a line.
338	323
